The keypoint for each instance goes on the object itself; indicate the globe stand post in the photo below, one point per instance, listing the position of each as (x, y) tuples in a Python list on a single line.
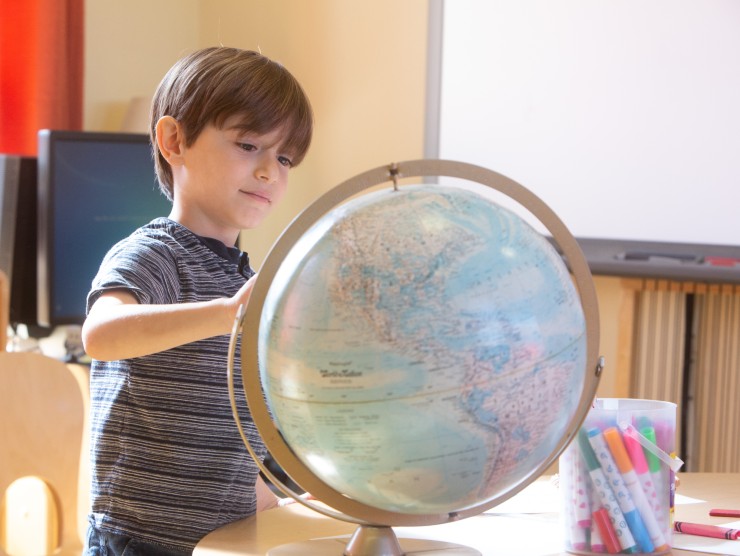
[(372, 540), (381, 540)]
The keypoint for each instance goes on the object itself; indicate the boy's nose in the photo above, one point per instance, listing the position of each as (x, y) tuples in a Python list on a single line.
[(267, 169)]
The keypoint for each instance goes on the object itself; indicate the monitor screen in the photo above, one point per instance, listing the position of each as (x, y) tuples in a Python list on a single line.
[(18, 194), (94, 190)]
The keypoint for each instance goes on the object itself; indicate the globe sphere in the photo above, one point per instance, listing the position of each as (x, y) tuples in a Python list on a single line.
[(422, 349)]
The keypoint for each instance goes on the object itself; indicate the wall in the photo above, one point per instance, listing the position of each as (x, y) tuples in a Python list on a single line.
[(129, 45), (363, 64)]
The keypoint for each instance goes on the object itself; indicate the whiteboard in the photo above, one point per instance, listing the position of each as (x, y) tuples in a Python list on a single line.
[(622, 115)]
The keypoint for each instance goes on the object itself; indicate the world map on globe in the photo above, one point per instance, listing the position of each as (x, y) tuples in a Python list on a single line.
[(422, 349)]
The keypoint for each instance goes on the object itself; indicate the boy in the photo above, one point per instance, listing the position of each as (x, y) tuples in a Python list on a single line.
[(168, 465)]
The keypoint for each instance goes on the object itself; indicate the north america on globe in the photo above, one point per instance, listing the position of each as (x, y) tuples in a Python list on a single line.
[(422, 349)]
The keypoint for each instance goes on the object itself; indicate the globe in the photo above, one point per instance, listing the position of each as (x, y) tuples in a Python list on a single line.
[(421, 352)]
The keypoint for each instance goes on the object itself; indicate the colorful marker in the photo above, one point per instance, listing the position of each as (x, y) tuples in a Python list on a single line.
[(652, 459), (606, 531), (595, 540), (661, 483), (624, 464), (606, 495), (577, 529), (598, 544), (637, 456), (578, 539), (626, 504), (580, 489), (672, 489)]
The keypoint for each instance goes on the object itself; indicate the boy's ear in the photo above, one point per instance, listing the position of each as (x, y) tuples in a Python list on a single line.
[(170, 139)]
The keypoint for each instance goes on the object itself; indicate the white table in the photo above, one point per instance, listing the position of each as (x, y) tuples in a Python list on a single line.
[(518, 532)]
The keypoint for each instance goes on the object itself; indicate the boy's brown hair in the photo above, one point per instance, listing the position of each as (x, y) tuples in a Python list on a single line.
[(213, 84)]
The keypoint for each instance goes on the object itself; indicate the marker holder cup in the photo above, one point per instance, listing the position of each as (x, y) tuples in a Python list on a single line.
[(617, 479)]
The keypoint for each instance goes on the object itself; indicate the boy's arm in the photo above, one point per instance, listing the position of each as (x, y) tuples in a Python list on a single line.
[(118, 327)]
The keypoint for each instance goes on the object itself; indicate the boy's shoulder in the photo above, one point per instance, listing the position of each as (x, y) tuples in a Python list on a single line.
[(161, 231), (159, 238), (163, 228)]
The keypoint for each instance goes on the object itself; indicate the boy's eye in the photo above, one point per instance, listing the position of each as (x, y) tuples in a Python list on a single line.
[(285, 161), (247, 146)]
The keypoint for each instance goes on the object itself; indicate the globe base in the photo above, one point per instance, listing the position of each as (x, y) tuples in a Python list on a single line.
[(370, 540)]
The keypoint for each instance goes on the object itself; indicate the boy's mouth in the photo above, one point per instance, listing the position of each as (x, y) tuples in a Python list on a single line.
[(258, 196)]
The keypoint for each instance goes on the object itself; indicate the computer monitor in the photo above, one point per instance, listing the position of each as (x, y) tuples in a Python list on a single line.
[(94, 190), (18, 198), (9, 169)]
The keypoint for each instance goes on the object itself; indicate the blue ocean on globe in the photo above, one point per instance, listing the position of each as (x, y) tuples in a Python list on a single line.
[(423, 349)]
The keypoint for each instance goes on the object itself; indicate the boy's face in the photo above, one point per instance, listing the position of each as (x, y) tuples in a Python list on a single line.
[(229, 180)]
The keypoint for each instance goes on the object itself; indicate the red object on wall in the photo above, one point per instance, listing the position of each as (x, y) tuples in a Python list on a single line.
[(41, 70)]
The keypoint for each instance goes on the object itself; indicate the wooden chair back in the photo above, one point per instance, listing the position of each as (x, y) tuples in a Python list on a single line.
[(43, 450)]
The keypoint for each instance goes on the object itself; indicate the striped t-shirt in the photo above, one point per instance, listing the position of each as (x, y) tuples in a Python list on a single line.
[(168, 464)]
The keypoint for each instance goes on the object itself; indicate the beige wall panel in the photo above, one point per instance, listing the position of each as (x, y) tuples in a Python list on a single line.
[(129, 45)]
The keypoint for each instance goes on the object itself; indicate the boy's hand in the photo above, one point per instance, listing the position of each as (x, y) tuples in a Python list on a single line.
[(241, 297)]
